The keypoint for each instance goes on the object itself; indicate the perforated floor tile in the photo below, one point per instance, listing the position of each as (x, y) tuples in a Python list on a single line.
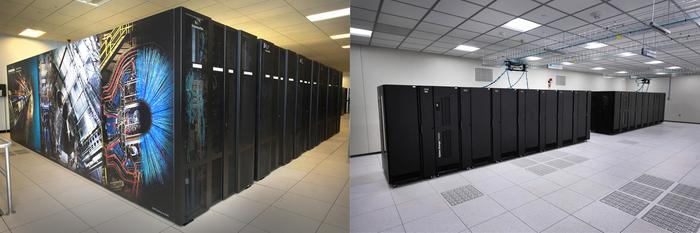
[(687, 191), (557, 154), (641, 191), (681, 204), (628, 142), (541, 157), (541, 169), (524, 162), (576, 158), (559, 163), (460, 195), (671, 220), (654, 181), (624, 202)]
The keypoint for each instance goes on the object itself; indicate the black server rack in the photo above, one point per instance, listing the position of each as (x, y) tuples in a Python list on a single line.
[(231, 73), (623, 111), (400, 127), (303, 105), (582, 110), (280, 85), (608, 112), (290, 106), (645, 109), (662, 107), (480, 104), (334, 103), (445, 110), (654, 103), (267, 140), (548, 119), (426, 129), (565, 118), (631, 110), (504, 110), (246, 110), (528, 121), (465, 127), (215, 113), (639, 110), (313, 116), (322, 103)]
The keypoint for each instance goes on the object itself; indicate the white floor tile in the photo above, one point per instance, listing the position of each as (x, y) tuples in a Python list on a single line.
[(444, 221), (568, 200), (376, 221), (411, 191), (478, 210), (62, 221), (421, 207), (212, 222), (503, 223), (539, 214), (540, 186), (278, 220), (513, 197), (240, 208), (262, 194), (101, 210), (641, 226), (604, 217), (326, 228), (338, 216), (444, 183), (371, 203), (590, 189), (492, 184), (571, 224), (32, 211), (305, 206), (132, 221)]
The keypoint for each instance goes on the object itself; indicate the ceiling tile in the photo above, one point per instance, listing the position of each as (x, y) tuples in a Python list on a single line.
[(570, 6), (420, 3), (567, 23), (425, 35), (443, 45), (434, 28), (385, 43), (493, 17), (502, 33), (362, 14), (402, 9), (367, 4), (443, 19), (356, 23), (397, 21), (481, 2), (410, 46), (525, 38), (380, 27), (462, 34), (488, 39), (50, 5), (386, 36), (599, 12), (457, 8), (543, 15), (627, 5), (417, 41), (514, 7), (451, 40), (544, 31), (475, 26)]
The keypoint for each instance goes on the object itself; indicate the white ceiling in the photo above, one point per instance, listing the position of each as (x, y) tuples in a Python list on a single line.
[(438, 26), (282, 22)]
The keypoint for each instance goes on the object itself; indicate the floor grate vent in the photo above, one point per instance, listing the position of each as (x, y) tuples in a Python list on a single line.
[(541, 169), (576, 158), (654, 181), (670, 220), (557, 154), (687, 190), (460, 195), (524, 162), (641, 191), (624, 202), (541, 158), (681, 204), (628, 142), (559, 163)]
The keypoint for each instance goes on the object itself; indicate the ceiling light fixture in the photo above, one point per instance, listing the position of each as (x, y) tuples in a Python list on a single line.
[(626, 54), (532, 58), (566, 63), (345, 46), (360, 32), (673, 67), (654, 62), (621, 72), (660, 73), (340, 36), (94, 3), (597, 68), (594, 45), (466, 48), (33, 33), (521, 25), (329, 15)]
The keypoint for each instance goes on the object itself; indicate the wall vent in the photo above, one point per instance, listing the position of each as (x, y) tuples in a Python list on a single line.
[(561, 80), (483, 75)]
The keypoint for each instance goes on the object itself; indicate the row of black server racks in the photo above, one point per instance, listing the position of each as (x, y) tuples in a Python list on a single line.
[(266, 105), (619, 111), (428, 130)]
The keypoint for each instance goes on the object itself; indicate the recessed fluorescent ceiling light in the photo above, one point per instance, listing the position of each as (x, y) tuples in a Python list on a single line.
[(360, 32), (567, 63), (521, 25), (597, 68), (621, 72), (340, 36), (626, 54), (329, 15), (673, 67), (653, 62), (661, 73), (346, 46), (594, 45), (532, 58), (32, 33), (466, 48), (93, 2)]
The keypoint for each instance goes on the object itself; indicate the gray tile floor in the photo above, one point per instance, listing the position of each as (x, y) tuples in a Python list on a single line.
[(553, 191), (308, 195)]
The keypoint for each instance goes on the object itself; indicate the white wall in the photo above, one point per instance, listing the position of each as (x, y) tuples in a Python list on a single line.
[(683, 101), (14, 49), (372, 66)]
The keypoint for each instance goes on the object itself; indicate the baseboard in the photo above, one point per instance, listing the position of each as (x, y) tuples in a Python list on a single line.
[(370, 153), (687, 122)]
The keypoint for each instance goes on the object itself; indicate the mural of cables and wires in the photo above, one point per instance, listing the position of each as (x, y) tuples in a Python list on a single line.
[(103, 107)]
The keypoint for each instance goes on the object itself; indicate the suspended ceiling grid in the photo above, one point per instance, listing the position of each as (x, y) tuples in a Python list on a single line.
[(438, 26), (282, 22)]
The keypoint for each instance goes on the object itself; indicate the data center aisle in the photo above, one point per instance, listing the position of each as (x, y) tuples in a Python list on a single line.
[(309, 194), (651, 175)]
